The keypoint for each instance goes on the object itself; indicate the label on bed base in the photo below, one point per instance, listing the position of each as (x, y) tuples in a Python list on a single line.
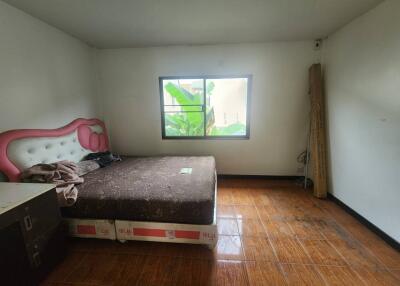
[(163, 232), (168, 233), (91, 228), (86, 229)]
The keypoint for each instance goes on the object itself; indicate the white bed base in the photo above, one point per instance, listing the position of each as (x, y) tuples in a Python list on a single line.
[(123, 230), (147, 231)]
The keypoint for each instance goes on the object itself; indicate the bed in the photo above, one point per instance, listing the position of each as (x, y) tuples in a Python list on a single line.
[(165, 198)]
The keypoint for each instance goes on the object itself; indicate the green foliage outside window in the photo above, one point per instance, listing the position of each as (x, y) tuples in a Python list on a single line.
[(190, 120)]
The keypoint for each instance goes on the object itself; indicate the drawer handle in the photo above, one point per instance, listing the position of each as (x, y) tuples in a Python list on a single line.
[(28, 223), (36, 259)]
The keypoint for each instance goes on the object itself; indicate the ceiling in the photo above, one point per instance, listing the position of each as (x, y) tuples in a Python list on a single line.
[(138, 23)]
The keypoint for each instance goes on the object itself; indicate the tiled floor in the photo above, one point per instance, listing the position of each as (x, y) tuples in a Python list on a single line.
[(271, 233)]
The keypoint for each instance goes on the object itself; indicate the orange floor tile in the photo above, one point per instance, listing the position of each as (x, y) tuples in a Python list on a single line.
[(270, 233)]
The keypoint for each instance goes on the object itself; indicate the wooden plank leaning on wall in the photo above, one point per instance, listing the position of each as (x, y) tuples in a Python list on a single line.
[(317, 136)]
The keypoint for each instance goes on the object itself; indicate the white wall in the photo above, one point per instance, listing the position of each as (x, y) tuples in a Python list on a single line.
[(362, 71), (46, 76), (279, 109)]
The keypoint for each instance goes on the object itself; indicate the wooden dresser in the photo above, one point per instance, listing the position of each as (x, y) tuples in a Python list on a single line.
[(32, 236)]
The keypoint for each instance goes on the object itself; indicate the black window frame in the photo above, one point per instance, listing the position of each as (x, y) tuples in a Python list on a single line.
[(204, 78)]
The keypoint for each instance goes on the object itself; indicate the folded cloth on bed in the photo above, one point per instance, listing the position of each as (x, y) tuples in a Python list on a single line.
[(63, 173)]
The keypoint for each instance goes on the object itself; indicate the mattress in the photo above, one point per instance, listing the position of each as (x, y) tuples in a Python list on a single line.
[(149, 189)]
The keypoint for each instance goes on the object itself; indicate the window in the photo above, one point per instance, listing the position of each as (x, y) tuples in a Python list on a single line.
[(205, 107)]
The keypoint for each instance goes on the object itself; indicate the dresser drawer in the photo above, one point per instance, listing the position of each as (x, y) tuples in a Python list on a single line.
[(32, 234), (47, 249), (39, 215), (13, 259)]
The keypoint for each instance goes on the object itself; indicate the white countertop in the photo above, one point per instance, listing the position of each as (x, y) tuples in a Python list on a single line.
[(14, 194)]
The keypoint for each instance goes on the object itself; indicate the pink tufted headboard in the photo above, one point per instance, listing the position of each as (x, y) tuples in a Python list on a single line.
[(23, 148)]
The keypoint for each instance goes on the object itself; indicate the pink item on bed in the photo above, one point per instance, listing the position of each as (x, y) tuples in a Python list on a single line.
[(64, 174)]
